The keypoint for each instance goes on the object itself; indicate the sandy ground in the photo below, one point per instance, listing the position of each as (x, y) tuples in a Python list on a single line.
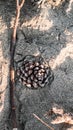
[(46, 29)]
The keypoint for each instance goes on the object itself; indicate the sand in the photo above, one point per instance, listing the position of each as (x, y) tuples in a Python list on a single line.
[(45, 29)]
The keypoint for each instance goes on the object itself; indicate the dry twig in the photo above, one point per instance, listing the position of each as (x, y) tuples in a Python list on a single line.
[(42, 122), (63, 118), (12, 72)]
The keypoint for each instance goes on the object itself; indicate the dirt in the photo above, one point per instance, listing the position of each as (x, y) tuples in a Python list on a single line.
[(45, 28)]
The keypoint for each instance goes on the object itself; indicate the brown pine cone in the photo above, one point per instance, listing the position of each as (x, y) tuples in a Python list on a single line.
[(34, 72)]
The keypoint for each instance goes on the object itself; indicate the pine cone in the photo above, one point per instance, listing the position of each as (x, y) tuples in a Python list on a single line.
[(34, 72)]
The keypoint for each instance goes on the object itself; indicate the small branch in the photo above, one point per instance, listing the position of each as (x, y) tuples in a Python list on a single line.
[(62, 117), (12, 71), (17, 2), (42, 122), (18, 8), (21, 4)]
